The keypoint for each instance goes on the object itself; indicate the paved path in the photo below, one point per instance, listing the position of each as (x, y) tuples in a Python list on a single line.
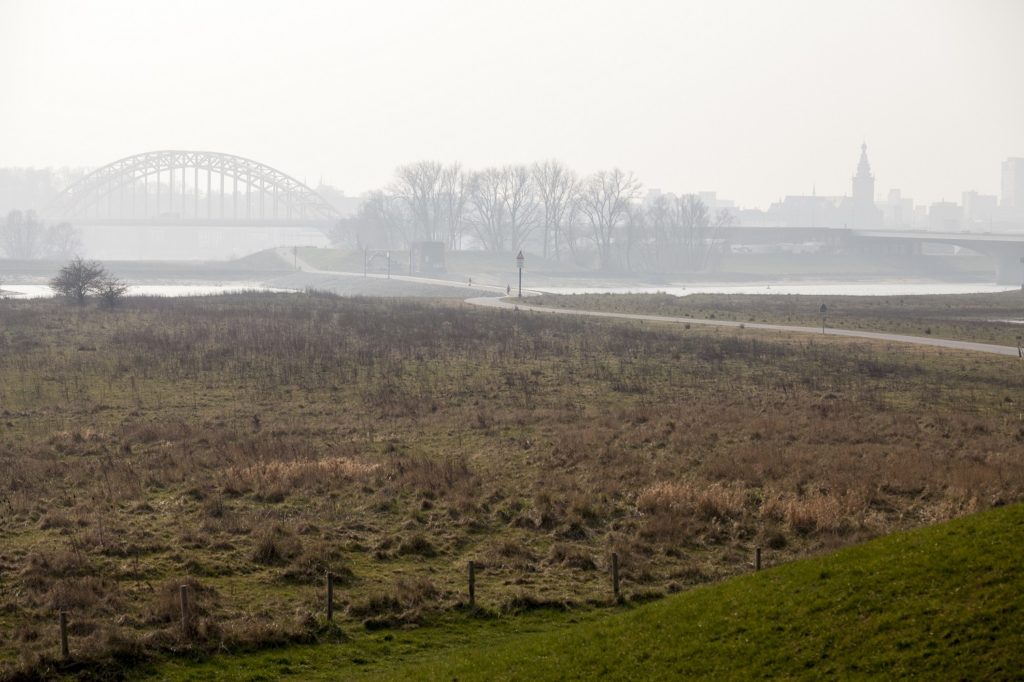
[(492, 302), (304, 266), (877, 336)]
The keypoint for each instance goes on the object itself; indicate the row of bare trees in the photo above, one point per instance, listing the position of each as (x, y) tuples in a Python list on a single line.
[(545, 207), (25, 236)]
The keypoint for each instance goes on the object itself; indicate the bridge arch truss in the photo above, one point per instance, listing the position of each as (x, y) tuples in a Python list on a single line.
[(191, 187)]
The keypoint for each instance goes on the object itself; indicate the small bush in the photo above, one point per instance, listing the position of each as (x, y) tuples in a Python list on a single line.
[(418, 545), (275, 546), (571, 556)]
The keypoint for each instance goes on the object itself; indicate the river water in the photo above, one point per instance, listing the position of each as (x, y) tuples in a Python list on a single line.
[(891, 288), (819, 289), (23, 291)]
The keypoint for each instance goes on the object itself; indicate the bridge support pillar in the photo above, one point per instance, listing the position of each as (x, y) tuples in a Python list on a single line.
[(1009, 269)]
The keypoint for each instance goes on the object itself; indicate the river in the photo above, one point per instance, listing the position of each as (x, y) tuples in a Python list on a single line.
[(889, 288), (23, 291), (820, 289)]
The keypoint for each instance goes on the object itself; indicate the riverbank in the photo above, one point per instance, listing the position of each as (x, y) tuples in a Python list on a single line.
[(469, 273)]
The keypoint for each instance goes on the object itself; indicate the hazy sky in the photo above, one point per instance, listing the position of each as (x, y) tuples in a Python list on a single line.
[(752, 99)]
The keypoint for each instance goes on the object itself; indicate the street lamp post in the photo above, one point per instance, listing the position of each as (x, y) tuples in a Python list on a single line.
[(519, 261)]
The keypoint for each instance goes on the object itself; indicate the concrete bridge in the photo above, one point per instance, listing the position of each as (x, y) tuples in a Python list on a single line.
[(1006, 249)]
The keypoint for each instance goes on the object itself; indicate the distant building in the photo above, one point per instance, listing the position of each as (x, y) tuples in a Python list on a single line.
[(810, 211), (652, 195), (857, 211), (897, 211), (716, 204), (863, 212), (1013, 186), (980, 211), (945, 216)]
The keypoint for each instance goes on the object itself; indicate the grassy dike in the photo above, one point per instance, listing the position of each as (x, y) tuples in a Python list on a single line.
[(939, 602)]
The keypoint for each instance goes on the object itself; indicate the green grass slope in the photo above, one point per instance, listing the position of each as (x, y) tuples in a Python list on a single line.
[(942, 602)]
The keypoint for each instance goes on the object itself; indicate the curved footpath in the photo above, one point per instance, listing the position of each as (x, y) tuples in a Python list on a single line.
[(877, 336), (493, 302)]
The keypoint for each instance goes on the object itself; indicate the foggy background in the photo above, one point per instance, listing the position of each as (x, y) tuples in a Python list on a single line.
[(704, 116), (755, 100)]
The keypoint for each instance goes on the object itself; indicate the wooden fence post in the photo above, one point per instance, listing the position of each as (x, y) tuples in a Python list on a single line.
[(757, 558), (183, 598), (330, 596), (472, 584), (64, 652), (615, 575)]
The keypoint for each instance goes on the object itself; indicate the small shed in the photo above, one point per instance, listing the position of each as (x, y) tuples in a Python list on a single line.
[(427, 257)]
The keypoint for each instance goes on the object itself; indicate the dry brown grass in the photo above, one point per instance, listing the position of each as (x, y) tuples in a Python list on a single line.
[(247, 445)]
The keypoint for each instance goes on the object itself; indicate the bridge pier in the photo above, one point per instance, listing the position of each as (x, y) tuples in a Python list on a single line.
[(1009, 268)]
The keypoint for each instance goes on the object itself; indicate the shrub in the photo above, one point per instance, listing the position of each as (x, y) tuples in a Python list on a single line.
[(275, 546), (418, 545)]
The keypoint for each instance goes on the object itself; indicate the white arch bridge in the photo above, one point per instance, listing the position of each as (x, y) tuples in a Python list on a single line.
[(177, 187)]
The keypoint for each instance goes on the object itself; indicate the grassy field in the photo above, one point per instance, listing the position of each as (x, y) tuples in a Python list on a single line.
[(936, 603), (246, 444), (970, 317)]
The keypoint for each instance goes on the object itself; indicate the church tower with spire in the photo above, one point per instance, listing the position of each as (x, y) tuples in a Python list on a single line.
[(865, 213)]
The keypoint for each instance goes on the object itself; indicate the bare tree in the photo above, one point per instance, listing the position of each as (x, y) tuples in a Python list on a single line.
[(556, 187), (22, 235), (684, 230), (520, 204), (380, 223), (418, 186), (636, 233), (605, 198), (504, 208), (699, 228), (486, 198), (62, 241), (111, 290), (78, 279), (453, 187)]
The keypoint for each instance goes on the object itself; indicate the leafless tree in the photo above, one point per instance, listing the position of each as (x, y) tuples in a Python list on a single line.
[(111, 290), (556, 187), (486, 199), (684, 230), (418, 186), (454, 192), (382, 222), (637, 242), (24, 236), (62, 241), (699, 228), (605, 198), (504, 208), (520, 204), (79, 279)]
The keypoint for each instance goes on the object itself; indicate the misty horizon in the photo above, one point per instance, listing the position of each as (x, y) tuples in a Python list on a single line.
[(751, 101)]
